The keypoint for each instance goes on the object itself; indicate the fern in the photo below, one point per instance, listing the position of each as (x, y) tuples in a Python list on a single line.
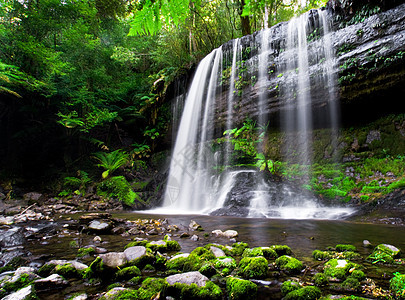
[(111, 161)]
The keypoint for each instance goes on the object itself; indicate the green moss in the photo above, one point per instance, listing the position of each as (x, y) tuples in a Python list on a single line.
[(208, 269), (269, 252), (225, 272), (289, 286), (289, 264), (121, 295), (95, 269), (351, 283), (167, 246), (238, 248), (358, 274), (253, 267), (85, 251), (320, 279), (135, 280), (350, 255), (252, 252), (321, 255), (197, 258), (143, 260), (183, 291), (136, 243), (383, 254), (16, 262), (151, 287), (239, 289), (308, 292), (46, 270), (68, 271), (176, 264), (343, 248), (225, 262), (23, 281), (149, 268), (339, 268), (281, 249), (127, 273), (397, 285)]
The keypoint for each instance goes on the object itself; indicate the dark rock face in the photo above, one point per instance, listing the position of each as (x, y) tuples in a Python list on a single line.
[(369, 65)]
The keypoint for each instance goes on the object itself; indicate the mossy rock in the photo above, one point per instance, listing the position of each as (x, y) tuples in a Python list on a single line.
[(384, 253), (343, 248), (23, 281), (339, 268), (95, 269), (225, 262), (350, 255), (320, 279), (351, 284), (289, 264), (163, 246), (253, 267), (137, 243), (397, 285), (281, 249), (240, 289), (46, 270), (68, 271), (143, 260), (238, 248), (127, 273), (321, 255), (183, 291), (305, 293), (289, 286), (176, 263), (358, 274), (197, 258), (252, 252), (120, 293), (151, 287), (85, 251), (208, 269)]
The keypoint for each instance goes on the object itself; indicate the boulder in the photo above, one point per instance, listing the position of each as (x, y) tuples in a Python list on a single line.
[(228, 233), (99, 226), (194, 226), (51, 282), (135, 252), (60, 262), (217, 252), (114, 259), (188, 278), (22, 294)]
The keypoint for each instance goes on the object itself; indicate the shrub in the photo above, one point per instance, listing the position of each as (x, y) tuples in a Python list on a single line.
[(118, 187)]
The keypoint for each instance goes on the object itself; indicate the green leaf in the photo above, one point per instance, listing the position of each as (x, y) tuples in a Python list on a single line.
[(105, 174)]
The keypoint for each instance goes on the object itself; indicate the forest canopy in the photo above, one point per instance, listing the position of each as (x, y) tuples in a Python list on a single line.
[(81, 76)]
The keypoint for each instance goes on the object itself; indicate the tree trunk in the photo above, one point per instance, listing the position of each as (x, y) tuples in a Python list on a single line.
[(244, 20)]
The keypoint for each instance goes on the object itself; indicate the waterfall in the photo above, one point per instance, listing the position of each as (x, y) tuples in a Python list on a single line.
[(200, 180)]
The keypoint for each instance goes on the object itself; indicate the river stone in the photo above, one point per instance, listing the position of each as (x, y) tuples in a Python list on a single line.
[(80, 297), (194, 238), (24, 270), (135, 252), (188, 278), (367, 244), (53, 281), (22, 294), (194, 226), (60, 262), (11, 237), (341, 263), (98, 226), (228, 233), (32, 196), (389, 249), (6, 220), (114, 259), (180, 255), (92, 216), (158, 243), (112, 294), (217, 252)]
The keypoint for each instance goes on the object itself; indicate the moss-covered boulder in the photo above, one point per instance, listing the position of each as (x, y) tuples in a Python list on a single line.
[(339, 268), (320, 279), (281, 249), (225, 262), (321, 255), (197, 258), (351, 284), (289, 286), (305, 293), (238, 248), (253, 267), (397, 285), (177, 262), (240, 289), (345, 247), (192, 285), (95, 269), (127, 273), (384, 253), (289, 264)]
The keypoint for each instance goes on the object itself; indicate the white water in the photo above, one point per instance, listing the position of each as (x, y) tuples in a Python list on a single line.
[(193, 184)]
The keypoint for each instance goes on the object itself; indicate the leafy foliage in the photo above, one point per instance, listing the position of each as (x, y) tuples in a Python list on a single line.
[(111, 161)]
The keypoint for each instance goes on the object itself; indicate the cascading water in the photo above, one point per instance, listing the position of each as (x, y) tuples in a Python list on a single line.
[(195, 185)]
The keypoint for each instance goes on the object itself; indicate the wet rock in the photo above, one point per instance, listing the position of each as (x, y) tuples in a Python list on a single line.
[(80, 297), (188, 278), (184, 235), (179, 256), (114, 259), (367, 244), (51, 282), (32, 197), (11, 237), (118, 230), (86, 219), (22, 294), (217, 252), (6, 220), (60, 262), (228, 233), (135, 252), (373, 135), (112, 294), (235, 211), (194, 226), (153, 232), (99, 226), (194, 238), (24, 270), (97, 239)]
